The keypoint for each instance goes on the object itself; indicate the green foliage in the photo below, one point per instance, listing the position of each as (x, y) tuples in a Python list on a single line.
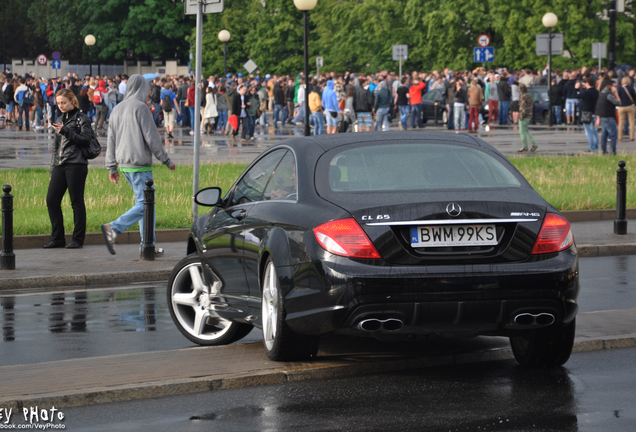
[(137, 29)]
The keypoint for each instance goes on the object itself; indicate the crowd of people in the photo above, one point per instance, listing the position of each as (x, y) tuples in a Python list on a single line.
[(342, 102)]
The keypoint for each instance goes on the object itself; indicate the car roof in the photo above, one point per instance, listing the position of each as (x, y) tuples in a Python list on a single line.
[(329, 142)]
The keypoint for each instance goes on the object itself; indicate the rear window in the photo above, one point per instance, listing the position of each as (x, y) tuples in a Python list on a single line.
[(416, 167)]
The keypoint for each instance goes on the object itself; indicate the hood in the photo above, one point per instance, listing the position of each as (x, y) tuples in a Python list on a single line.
[(330, 85), (102, 84), (137, 88)]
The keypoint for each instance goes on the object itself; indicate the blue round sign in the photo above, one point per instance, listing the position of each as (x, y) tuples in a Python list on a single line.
[(56, 55)]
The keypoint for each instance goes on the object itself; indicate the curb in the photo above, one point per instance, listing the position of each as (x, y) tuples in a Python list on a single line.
[(86, 281), (593, 251), (304, 372)]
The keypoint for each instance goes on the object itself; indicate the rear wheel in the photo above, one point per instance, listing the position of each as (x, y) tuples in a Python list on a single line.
[(189, 301), (551, 346), (281, 343)]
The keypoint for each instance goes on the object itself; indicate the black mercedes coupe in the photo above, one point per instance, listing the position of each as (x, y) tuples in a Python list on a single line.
[(389, 234)]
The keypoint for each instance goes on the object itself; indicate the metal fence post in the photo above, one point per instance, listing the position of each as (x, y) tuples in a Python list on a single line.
[(7, 258), (148, 246), (620, 224)]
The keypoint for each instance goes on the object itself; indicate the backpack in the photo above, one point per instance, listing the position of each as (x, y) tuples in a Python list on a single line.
[(156, 94), (28, 97), (166, 103), (94, 148), (98, 97)]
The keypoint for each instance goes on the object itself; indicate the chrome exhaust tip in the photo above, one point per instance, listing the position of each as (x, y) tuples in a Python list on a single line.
[(392, 325), (370, 325), (528, 319)]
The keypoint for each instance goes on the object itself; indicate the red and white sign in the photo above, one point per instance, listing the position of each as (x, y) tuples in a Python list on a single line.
[(42, 59), (484, 40)]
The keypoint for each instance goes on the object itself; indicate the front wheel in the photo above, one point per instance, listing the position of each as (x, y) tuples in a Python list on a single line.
[(191, 302), (281, 343), (550, 346)]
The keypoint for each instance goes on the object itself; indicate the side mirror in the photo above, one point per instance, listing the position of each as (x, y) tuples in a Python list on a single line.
[(208, 197)]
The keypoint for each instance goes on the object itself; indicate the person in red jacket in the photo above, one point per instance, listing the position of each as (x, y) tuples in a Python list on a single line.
[(415, 91)]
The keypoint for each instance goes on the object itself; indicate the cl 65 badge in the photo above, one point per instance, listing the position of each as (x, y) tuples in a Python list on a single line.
[(378, 217)]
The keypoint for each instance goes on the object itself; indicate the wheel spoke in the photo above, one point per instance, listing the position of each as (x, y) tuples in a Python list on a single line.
[(197, 282), (200, 317), (186, 299)]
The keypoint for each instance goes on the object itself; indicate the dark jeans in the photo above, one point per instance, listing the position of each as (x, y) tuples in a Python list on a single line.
[(244, 123), (503, 112), (24, 108), (155, 115), (416, 113), (251, 125), (73, 178)]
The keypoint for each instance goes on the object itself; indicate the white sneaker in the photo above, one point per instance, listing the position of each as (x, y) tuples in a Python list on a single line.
[(191, 132)]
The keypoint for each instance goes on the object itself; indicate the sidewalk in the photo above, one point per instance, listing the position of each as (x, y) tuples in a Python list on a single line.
[(93, 265), (197, 369)]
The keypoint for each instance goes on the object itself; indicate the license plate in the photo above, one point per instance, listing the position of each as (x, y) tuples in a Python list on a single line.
[(453, 235)]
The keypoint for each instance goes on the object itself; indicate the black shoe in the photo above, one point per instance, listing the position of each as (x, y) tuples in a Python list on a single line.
[(170, 135), (74, 245), (53, 245)]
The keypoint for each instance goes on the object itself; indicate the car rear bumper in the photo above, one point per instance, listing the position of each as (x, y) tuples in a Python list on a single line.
[(477, 299)]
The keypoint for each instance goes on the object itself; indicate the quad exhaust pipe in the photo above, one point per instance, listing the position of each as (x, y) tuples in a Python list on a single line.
[(373, 325), (528, 319)]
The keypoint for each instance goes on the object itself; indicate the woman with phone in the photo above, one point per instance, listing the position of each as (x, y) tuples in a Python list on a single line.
[(69, 168)]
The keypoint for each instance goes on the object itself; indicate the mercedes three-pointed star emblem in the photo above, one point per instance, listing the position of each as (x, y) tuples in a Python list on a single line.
[(453, 209)]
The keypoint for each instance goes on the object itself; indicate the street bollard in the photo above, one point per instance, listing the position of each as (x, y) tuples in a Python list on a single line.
[(620, 224), (7, 258), (148, 246)]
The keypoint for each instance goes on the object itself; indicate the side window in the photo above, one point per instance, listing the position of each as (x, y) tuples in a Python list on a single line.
[(431, 96), (282, 185), (251, 186)]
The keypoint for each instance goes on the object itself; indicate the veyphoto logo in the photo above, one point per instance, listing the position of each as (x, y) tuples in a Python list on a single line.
[(34, 418)]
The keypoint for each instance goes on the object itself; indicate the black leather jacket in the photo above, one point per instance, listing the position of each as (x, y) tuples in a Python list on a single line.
[(76, 133)]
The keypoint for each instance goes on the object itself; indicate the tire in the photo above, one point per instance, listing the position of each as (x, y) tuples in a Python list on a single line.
[(189, 306), (547, 347), (281, 343), (544, 117)]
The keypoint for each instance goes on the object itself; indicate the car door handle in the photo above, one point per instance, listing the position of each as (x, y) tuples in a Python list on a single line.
[(239, 214)]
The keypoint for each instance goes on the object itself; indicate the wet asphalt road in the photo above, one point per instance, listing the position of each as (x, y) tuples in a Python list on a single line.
[(79, 324), (594, 392)]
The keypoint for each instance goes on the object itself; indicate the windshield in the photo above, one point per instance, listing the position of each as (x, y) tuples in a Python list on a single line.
[(416, 167)]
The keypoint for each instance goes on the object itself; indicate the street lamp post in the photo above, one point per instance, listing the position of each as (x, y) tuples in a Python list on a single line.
[(549, 20), (90, 41), (306, 6), (612, 36), (224, 36)]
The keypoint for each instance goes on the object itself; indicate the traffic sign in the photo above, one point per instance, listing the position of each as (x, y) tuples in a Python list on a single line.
[(484, 54), (209, 6), (42, 59), (543, 41), (483, 40), (319, 61), (599, 50), (56, 55), (250, 66), (56, 64), (400, 52)]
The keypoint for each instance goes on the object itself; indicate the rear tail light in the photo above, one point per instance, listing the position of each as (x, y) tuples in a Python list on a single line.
[(345, 237), (555, 235)]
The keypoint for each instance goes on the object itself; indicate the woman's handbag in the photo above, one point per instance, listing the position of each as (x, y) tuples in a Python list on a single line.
[(586, 117)]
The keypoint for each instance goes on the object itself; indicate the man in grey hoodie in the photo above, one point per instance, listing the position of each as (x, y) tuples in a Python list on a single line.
[(132, 141)]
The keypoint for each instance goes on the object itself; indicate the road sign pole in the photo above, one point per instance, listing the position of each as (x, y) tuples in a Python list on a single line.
[(549, 76), (197, 110), (400, 69)]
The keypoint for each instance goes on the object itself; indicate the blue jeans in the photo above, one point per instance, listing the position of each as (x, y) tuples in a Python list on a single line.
[(185, 118), (592, 135), (136, 213), (450, 123), (556, 110), (503, 112), (38, 116), (416, 110), (111, 105), (155, 116), (382, 118), (301, 115), (191, 110), (251, 124), (222, 120), (319, 122), (24, 108), (262, 120), (610, 129), (278, 109), (404, 115), (459, 117)]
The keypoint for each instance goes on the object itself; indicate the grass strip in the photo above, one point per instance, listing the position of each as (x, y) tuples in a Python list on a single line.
[(568, 183)]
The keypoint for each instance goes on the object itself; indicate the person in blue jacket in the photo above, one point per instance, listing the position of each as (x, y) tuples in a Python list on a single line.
[(330, 105)]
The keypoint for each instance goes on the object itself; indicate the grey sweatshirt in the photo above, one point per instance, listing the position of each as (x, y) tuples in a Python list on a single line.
[(132, 135)]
